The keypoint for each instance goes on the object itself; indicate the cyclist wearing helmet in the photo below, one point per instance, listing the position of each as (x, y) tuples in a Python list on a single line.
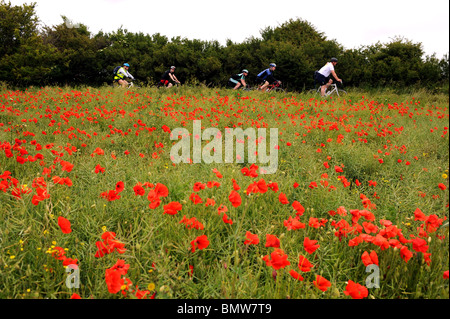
[(266, 77), (238, 80), (123, 73), (323, 75), (168, 79)]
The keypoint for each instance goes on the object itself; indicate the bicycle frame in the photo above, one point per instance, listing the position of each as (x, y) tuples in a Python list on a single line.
[(333, 88), (273, 86)]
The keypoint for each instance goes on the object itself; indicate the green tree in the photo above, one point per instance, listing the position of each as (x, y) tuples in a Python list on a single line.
[(24, 58)]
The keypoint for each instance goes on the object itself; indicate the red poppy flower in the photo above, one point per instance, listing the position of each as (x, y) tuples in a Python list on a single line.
[(66, 166), (59, 253), (161, 190), (120, 186), (138, 190), (338, 169), (293, 223), (98, 169), (278, 259), (381, 242), (252, 239), (191, 223), (64, 224), (442, 186), (369, 259), (200, 242), (252, 172), (295, 275), (218, 174), (405, 254), (235, 198), (172, 208), (113, 280), (199, 186), (355, 290), (420, 245), (222, 209), (321, 283), (226, 220), (272, 241), (304, 264), (121, 267), (195, 199), (236, 187), (273, 186), (283, 199), (310, 245), (210, 202), (419, 215), (433, 222), (298, 207), (70, 261), (313, 185)]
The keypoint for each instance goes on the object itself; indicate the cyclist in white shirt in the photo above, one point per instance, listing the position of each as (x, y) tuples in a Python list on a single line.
[(323, 75)]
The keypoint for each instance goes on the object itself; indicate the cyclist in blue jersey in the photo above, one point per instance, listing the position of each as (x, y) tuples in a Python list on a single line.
[(265, 78), (238, 80)]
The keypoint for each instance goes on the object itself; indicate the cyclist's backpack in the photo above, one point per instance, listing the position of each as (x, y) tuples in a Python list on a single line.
[(116, 69)]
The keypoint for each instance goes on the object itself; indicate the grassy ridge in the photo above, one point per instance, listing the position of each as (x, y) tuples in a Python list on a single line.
[(408, 132)]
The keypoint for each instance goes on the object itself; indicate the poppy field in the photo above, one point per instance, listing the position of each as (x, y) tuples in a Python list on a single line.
[(88, 187)]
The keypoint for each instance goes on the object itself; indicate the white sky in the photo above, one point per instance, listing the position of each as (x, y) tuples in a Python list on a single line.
[(351, 23)]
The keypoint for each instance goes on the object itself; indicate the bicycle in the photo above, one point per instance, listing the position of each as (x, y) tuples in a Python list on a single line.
[(130, 85), (160, 85), (275, 86), (332, 89)]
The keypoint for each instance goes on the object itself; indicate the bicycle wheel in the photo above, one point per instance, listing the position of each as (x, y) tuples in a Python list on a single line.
[(313, 92), (278, 89)]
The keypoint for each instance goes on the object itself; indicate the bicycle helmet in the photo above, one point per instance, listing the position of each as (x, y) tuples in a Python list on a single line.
[(126, 64), (244, 71), (333, 60), (272, 64), (172, 67)]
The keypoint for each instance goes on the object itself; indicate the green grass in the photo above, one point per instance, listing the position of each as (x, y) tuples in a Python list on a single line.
[(352, 132)]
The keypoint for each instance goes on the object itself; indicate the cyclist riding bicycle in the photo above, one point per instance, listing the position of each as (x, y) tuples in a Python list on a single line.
[(323, 76), (168, 79), (266, 77), (122, 74), (238, 80)]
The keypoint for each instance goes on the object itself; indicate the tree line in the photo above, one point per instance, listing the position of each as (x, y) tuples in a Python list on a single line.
[(69, 54)]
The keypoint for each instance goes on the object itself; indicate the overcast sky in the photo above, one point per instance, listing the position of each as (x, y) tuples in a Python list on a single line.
[(351, 23)]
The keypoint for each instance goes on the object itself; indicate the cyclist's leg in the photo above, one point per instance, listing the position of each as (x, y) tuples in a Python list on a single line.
[(325, 87), (264, 86), (122, 83)]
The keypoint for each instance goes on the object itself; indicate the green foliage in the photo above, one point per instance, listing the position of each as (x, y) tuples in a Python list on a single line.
[(69, 54)]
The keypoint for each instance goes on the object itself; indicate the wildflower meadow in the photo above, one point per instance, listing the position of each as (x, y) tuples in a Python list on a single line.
[(93, 204)]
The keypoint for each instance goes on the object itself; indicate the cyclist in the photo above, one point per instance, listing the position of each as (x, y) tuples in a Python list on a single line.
[(323, 75), (264, 78), (238, 80), (168, 79), (123, 73)]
